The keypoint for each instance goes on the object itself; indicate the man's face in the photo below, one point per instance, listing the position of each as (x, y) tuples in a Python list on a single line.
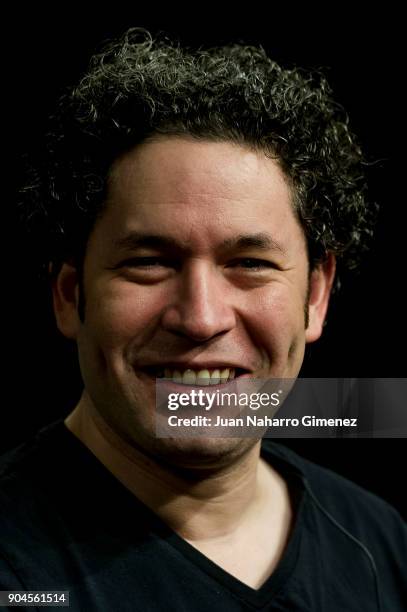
[(198, 262)]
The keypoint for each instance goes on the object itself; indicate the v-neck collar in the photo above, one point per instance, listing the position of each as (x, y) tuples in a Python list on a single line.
[(288, 562), (257, 598)]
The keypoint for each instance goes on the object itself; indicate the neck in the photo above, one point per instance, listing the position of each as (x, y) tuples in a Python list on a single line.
[(215, 504)]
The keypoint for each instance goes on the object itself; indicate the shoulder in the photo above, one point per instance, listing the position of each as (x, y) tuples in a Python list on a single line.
[(333, 490), (22, 460), (353, 530), (30, 472), (14, 465), (361, 513), (19, 485)]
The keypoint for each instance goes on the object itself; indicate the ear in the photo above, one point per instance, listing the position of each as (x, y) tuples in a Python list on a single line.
[(65, 295), (322, 278)]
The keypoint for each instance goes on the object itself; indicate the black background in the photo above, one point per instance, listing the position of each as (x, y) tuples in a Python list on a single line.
[(365, 334)]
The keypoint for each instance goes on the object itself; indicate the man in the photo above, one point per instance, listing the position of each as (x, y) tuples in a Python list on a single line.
[(193, 207)]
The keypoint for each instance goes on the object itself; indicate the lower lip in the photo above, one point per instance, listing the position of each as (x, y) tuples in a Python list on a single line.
[(174, 387)]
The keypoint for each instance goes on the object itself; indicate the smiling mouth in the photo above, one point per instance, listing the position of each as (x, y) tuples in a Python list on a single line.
[(201, 377)]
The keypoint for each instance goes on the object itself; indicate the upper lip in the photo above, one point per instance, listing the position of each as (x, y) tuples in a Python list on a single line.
[(188, 365)]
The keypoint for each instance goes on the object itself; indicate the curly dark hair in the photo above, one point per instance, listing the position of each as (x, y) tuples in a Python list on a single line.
[(138, 87)]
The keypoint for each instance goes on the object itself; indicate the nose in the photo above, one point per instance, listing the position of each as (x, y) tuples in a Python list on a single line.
[(199, 310)]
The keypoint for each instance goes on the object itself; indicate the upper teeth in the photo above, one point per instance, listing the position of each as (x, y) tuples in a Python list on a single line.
[(200, 377)]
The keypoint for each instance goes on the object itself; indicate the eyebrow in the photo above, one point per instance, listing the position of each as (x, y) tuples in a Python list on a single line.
[(137, 240), (262, 241)]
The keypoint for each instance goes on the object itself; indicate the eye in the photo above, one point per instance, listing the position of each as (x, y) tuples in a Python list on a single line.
[(146, 262), (249, 263)]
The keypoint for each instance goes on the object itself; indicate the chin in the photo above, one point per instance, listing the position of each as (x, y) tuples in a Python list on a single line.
[(199, 453)]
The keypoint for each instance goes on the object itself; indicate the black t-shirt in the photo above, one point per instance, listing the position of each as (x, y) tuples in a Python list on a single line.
[(67, 524)]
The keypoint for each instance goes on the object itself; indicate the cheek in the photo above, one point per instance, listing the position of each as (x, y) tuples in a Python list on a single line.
[(277, 322), (122, 312), (278, 308)]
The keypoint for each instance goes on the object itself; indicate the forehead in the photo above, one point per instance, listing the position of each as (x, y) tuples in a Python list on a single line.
[(175, 166), (199, 189)]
